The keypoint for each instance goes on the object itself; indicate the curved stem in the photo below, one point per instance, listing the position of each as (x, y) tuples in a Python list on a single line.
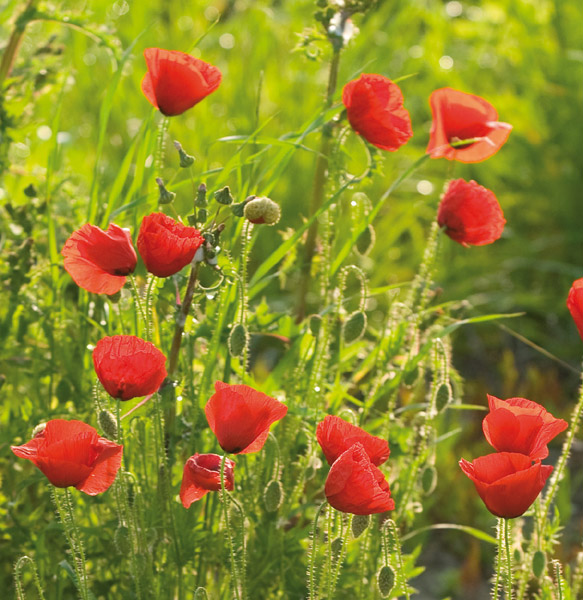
[(313, 594)]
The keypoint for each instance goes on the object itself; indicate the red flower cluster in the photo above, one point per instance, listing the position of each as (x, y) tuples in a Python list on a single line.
[(71, 453), (575, 304), (165, 245), (128, 366), (176, 81), (354, 484), (374, 108), (465, 127), (510, 480), (470, 214)]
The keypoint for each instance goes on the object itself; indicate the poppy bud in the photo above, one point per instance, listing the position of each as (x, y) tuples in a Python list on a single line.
[(354, 327), (539, 563), (262, 211), (238, 339), (359, 524), (166, 197), (224, 196), (121, 540), (200, 200), (443, 396), (185, 159), (201, 215), (108, 424), (200, 594), (314, 324), (386, 580), (273, 495), (366, 241), (410, 376)]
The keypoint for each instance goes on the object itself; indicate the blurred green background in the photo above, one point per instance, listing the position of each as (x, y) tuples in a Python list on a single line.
[(523, 56)]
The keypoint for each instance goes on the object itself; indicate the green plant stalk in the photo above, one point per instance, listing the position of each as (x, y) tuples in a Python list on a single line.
[(559, 579), (499, 558), (67, 517), (340, 559), (391, 527), (149, 325), (506, 525), (318, 189), (246, 245), (312, 589), (137, 299), (17, 579)]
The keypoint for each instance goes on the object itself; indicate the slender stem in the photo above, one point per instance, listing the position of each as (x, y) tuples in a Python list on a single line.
[(138, 405), (161, 144), (313, 593), (506, 524), (319, 186), (245, 239), (181, 319), (500, 538), (559, 469), (17, 578), (229, 529), (149, 307), (137, 298)]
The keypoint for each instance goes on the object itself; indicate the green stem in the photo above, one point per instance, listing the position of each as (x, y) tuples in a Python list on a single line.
[(17, 579), (245, 240), (149, 307), (312, 590), (137, 298), (318, 189), (161, 144), (506, 524), (499, 557), (225, 510)]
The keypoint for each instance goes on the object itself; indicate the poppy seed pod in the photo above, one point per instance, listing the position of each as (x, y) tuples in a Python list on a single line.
[(459, 117), (97, 260), (374, 108), (71, 453), (262, 211)]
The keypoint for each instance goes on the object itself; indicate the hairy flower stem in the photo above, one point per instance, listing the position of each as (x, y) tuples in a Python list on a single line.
[(66, 515), (238, 579), (560, 468), (149, 308), (499, 558), (246, 245), (506, 525), (312, 588), (15, 40), (391, 527), (138, 300), (18, 581), (318, 189)]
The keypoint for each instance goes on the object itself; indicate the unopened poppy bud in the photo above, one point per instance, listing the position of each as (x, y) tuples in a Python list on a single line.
[(429, 479), (366, 241), (185, 159), (410, 376), (273, 495), (224, 196), (115, 298), (359, 524), (121, 540), (166, 196), (262, 211), (443, 396), (386, 580), (200, 594), (38, 430), (108, 424), (201, 215), (354, 327), (192, 220), (539, 563), (200, 200), (315, 323), (238, 339)]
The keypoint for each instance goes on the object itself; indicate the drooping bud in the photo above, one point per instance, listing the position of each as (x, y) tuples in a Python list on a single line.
[(108, 424), (262, 211), (411, 375), (354, 327), (200, 200), (166, 196), (185, 159), (429, 479), (200, 594), (121, 540), (273, 495), (386, 580), (201, 215), (366, 241), (539, 563), (224, 196), (359, 524), (238, 339), (315, 323), (443, 396)]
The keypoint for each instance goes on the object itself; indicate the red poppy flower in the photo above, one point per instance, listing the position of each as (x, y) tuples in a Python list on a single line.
[(519, 425), (97, 260), (470, 214), (128, 366), (165, 245), (354, 485), (240, 417), (335, 436), (202, 474), (176, 81), (507, 482), (575, 304), (458, 116), (72, 453), (374, 107)]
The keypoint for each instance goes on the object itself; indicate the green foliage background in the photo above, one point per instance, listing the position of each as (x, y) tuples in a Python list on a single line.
[(525, 57)]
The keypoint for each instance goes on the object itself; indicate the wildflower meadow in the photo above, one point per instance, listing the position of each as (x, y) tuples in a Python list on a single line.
[(292, 300)]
